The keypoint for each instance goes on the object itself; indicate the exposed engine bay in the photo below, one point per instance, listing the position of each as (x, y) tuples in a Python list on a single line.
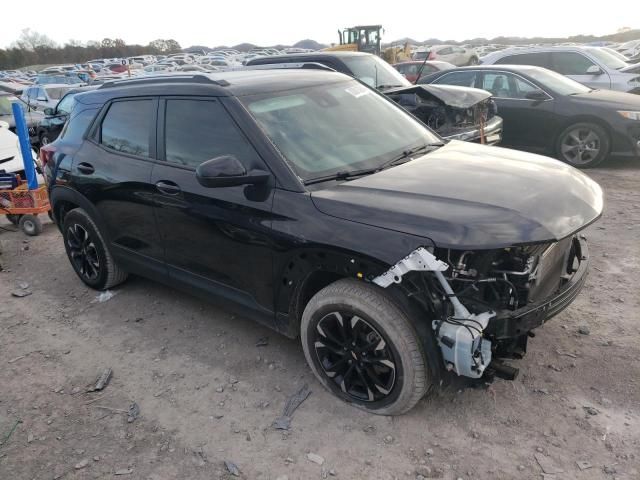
[(460, 113), (486, 302)]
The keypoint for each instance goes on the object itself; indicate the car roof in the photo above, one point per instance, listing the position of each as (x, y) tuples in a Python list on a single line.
[(217, 83), (541, 48), (337, 54), (514, 68)]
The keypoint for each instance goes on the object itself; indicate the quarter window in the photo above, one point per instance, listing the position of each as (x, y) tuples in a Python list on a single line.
[(199, 130), (126, 127)]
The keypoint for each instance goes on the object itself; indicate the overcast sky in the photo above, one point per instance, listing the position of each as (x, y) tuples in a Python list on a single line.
[(212, 23)]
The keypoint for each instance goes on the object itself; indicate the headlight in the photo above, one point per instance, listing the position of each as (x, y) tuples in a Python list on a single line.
[(629, 115)]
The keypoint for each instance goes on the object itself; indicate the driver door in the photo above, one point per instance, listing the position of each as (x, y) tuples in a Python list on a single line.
[(216, 240)]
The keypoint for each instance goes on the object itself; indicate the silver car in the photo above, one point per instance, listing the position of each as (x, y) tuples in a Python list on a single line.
[(591, 66)]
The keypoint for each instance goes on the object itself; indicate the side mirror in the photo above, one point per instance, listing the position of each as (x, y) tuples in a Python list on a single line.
[(594, 70), (227, 171), (538, 95), (49, 111)]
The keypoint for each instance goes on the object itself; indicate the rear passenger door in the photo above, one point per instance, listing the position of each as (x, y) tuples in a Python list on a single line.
[(113, 171), (217, 240)]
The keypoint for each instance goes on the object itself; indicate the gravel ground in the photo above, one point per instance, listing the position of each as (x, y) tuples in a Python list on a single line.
[(207, 393)]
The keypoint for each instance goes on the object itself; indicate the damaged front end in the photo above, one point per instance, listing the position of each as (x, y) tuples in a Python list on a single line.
[(455, 113), (485, 303)]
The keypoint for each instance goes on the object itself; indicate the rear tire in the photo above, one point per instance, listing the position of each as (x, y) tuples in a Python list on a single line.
[(583, 145), (30, 225), (363, 348), (88, 252)]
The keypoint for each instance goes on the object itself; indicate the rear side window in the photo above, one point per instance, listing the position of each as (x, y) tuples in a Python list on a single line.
[(539, 59), (126, 127), (199, 130)]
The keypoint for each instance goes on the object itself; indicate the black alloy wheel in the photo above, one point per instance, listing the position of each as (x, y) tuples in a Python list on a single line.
[(355, 356), (82, 252)]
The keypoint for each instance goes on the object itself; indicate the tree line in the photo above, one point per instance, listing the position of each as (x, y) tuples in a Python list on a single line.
[(33, 48)]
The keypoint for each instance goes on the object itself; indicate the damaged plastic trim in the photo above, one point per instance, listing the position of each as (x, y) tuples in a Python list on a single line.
[(460, 337)]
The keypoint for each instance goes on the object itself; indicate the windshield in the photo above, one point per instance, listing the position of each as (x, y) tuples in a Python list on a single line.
[(557, 82), (5, 106), (374, 71), (56, 93), (607, 59), (337, 127)]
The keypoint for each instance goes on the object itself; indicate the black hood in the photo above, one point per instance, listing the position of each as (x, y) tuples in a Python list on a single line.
[(610, 99), (469, 196)]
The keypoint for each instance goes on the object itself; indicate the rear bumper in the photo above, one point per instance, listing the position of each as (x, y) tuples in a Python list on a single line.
[(492, 133), (516, 323)]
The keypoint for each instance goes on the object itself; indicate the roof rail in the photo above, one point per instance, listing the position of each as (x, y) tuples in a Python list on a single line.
[(292, 65), (197, 78)]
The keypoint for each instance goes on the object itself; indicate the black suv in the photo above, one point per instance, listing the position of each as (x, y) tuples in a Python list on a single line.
[(393, 255)]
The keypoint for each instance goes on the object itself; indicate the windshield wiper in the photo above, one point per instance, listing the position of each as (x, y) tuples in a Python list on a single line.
[(405, 155), (342, 175), (388, 86)]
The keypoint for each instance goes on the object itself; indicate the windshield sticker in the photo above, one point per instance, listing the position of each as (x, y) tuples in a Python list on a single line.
[(357, 91)]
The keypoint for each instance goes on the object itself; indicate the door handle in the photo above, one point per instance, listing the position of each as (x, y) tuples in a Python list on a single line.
[(168, 188), (86, 168)]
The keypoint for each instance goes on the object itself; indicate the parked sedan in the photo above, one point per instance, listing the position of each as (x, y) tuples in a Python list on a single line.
[(32, 118), (415, 70), (453, 54), (592, 66), (549, 113)]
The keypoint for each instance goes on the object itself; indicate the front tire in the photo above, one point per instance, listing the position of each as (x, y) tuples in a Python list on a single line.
[(363, 348), (583, 145), (88, 252)]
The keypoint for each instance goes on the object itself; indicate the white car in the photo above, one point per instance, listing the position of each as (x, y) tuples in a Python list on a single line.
[(10, 156), (39, 97), (454, 54)]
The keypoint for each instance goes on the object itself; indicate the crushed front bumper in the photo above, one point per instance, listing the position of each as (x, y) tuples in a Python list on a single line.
[(492, 133), (516, 323)]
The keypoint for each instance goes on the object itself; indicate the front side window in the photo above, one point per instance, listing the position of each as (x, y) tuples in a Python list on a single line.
[(461, 79), (199, 130), (335, 127), (506, 85), (127, 125), (571, 63)]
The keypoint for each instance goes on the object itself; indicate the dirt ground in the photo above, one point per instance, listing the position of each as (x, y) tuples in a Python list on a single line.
[(207, 393)]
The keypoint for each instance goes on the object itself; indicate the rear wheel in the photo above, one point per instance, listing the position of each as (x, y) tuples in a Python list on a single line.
[(30, 225), (583, 145), (88, 252), (363, 348)]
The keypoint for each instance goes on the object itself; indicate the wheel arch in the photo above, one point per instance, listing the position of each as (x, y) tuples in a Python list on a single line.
[(307, 271), (582, 118), (64, 199)]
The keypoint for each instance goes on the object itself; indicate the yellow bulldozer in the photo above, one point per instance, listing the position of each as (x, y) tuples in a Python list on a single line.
[(366, 38)]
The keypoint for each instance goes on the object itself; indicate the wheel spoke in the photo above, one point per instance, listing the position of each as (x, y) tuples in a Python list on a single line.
[(333, 349), (377, 383), (591, 137), (365, 384)]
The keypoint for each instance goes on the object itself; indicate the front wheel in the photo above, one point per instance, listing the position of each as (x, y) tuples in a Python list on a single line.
[(88, 253), (363, 348), (583, 145)]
